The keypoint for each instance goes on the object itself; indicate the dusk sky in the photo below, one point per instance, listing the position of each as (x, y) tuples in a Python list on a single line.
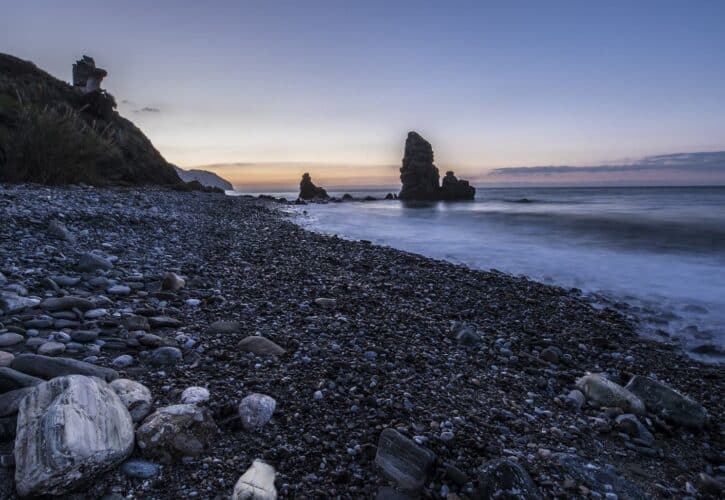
[(264, 91)]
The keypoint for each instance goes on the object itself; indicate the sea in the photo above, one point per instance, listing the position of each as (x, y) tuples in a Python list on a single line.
[(656, 254)]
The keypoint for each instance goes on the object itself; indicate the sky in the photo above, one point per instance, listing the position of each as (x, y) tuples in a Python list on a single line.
[(262, 91)]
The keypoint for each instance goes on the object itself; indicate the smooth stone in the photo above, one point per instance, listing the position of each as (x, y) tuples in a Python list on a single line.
[(173, 432), (630, 425), (66, 280), (150, 340), (257, 483), (163, 321), (468, 335), (11, 303), (140, 469), (121, 290), (256, 410), (668, 403), (403, 461), (135, 323), (89, 262), (70, 430), (123, 361), (135, 396), (165, 356), (260, 346), (598, 478), (223, 326), (66, 303), (35, 342), (95, 313), (84, 335), (504, 478), (11, 379), (173, 282), (40, 323), (10, 401), (609, 394), (551, 354), (195, 395), (6, 358), (48, 367), (10, 339), (58, 230), (326, 302), (65, 323), (51, 348), (192, 302)]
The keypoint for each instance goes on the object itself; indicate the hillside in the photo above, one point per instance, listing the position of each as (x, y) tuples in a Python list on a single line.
[(205, 178), (53, 133)]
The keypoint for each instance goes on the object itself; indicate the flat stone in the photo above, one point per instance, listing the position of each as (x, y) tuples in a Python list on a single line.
[(140, 469), (95, 313), (6, 358), (260, 346), (506, 479), (40, 323), (66, 280), (121, 290), (165, 356), (630, 425), (164, 321), (256, 410), (84, 335), (69, 430), (195, 395), (11, 303), (48, 367), (11, 379), (10, 339), (326, 302), (66, 303), (9, 401), (90, 262), (150, 340), (135, 396), (223, 326), (257, 483), (51, 348), (403, 461), (609, 394), (668, 403), (136, 323), (173, 432)]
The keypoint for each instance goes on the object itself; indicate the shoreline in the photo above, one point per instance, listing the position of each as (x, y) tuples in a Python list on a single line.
[(384, 354)]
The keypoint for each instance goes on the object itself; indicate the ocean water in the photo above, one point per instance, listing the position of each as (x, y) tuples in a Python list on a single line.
[(656, 254)]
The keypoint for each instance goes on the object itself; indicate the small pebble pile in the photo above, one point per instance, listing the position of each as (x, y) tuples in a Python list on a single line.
[(207, 347)]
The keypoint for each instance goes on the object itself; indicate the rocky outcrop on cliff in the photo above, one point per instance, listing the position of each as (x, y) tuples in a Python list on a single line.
[(52, 132), (205, 178), (420, 176), (308, 190)]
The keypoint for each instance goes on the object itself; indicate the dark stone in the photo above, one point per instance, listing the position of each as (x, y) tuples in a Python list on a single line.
[(48, 367), (308, 191), (391, 196), (668, 403), (347, 197), (506, 480), (10, 401), (455, 189), (66, 303), (165, 356), (11, 380), (420, 176), (402, 461)]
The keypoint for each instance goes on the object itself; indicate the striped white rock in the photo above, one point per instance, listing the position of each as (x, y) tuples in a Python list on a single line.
[(70, 429), (609, 394), (256, 484)]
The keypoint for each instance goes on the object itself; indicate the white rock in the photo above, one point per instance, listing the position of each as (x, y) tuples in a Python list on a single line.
[(194, 395), (135, 396), (610, 394), (257, 483), (256, 410), (70, 429)]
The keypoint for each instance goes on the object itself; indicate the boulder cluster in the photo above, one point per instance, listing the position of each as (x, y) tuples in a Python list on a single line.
[(420, 176)]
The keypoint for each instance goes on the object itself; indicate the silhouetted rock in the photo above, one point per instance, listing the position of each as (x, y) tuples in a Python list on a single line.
[(454, 189), (390, 196), (420, 176), (346, 197), (308, 191)]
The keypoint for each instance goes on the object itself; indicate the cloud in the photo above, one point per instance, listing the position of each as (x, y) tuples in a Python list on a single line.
[(683, 162), (147, 109)]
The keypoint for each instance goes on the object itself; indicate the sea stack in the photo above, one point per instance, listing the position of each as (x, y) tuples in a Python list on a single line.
[(308, 190), (420, 176)]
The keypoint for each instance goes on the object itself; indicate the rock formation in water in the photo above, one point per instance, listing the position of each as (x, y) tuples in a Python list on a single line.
[(420, 176), (454, 189), (308, 190)]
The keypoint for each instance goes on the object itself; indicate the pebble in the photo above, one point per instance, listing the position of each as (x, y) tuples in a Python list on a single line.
[(123, 361), (195, 395), (10, 339), (51, 348)]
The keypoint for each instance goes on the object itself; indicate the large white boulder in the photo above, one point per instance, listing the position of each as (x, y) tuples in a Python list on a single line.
[(257, 483), (69, 430)]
